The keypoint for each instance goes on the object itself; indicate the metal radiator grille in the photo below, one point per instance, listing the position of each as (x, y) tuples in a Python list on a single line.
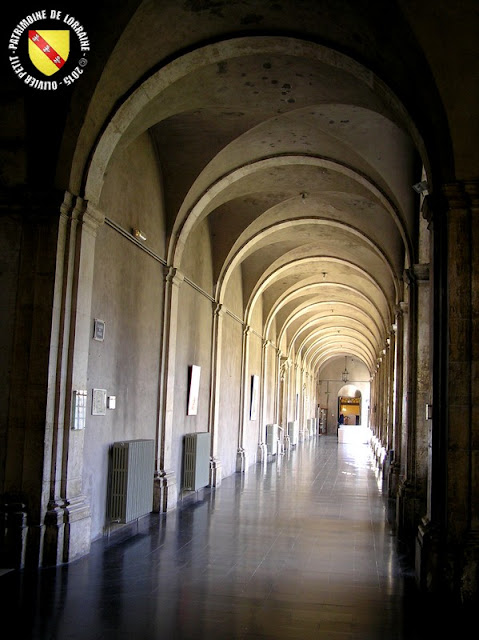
[(131, 479), (196, 461)]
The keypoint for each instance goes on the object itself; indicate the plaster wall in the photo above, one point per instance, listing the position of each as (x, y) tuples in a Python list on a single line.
[(132, 193), (233, 299), (130, 301), (251, 427), (197, 264), (127, 362), (193, 346), (270, 385), (229, 399)]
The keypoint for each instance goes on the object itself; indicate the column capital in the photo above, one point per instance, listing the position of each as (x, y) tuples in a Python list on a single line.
[(472, 189), (452, 196), (421, 271), (91, 217), (246, 330), (67, 205), (416, 273), (174, 276), (218, 309), (399, 309), (455, 195)]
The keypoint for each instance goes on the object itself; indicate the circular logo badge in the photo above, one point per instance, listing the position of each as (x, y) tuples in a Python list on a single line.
[(48, 50)]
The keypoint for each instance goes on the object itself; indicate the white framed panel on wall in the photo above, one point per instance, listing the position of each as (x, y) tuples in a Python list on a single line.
[(193, 390)]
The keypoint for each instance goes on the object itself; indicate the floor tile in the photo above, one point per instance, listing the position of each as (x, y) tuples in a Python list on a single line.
[(297, 548)]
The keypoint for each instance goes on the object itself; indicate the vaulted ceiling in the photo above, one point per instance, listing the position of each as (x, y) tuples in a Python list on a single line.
[(298, 158), (304, 176)]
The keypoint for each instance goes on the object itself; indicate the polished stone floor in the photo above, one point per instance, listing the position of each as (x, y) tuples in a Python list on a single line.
[(299, 548)]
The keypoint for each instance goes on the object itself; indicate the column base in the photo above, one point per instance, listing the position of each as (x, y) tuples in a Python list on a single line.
[(54, 538), (77, 534), (405, 510), (14, 532), (240, 461), (215, 472), (262, 453), (394, 475), (469, 584), (165, 492), (427, 557)]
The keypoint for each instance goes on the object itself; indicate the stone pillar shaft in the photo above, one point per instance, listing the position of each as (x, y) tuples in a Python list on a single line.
[(68, 518), (241, 456), (166, 493), (215, 386)]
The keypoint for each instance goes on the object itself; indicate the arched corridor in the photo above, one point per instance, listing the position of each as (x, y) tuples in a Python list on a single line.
[(244, 223), (299, 548)]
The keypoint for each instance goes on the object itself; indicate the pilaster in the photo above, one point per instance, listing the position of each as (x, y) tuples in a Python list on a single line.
[(165, 490), (447, 543), (262, 447), (240, 460), (216, 355), (68, 518), (241, 454)]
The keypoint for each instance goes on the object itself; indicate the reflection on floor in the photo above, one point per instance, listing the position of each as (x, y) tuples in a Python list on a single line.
[(297, 548)]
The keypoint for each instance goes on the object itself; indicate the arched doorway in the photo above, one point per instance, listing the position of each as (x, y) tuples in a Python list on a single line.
[(349, 405), (353, 415)]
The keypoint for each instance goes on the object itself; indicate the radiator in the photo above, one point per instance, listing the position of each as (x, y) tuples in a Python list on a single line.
[(196, 461), (272, 435), (131, 479), (293, 432)]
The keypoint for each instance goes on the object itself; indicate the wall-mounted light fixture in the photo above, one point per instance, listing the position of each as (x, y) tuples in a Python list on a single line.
[(139, 235)]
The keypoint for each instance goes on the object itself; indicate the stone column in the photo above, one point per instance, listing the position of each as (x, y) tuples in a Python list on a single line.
[(165, 494), (413, 488), (68, 518), (423, 388), (459, 418), (31, 255), (262, 455), (398, 393), (277, 395), (381, 400), (59, 348), (241, 454), (215, 386), (390, 351), (470, 568), (406, 493), (447, 550), (463, 395)]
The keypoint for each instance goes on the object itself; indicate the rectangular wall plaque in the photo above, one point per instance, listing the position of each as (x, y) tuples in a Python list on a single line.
[(98, 405), (253, 411), (194, 390), (99, 330)]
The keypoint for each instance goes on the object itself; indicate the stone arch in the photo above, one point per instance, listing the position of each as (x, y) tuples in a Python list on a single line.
[(133, 116)]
